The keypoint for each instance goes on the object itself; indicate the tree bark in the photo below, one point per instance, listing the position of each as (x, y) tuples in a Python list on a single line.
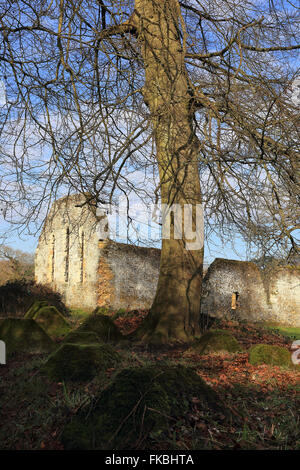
[(174, 314)]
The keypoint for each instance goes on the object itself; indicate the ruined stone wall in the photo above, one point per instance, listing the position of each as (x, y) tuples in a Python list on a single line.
[(283, 290), (128, 275), (88, 272), (67, 256), (225, 277), (271, 296)]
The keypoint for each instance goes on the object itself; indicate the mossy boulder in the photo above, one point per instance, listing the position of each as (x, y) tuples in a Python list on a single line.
[(101, 311), (121, 312), (215, 341), (139, 404), (82, 337), (103, 326), (50, 319), (80, 362), (24, 335), (35, 307), (272, 355), (17, 296)]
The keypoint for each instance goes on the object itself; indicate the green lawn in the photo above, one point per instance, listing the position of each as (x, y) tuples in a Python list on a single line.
[(291, 332)]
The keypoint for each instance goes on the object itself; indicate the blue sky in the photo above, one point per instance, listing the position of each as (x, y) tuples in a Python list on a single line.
[(29, 243), (214, 250)]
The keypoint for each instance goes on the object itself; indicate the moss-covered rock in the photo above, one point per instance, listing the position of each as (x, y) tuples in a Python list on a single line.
[(121, 312), (24, 335), (35, 307), (139, 401), (101, 311), (17, 296), (215, 341), (272, 355), (103, 326), (80, 362), (82, 337), (50, 319)]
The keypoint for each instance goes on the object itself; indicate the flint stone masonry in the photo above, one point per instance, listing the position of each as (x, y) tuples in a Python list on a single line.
[(283, 291), (271, 295), (129, 275), (90, 272)]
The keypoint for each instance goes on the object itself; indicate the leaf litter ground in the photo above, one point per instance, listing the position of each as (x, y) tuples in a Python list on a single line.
[(264, 401)]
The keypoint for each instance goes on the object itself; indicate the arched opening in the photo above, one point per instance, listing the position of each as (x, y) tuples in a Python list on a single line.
[(53, 258), (234, 300), (82, 259), (67, 255)]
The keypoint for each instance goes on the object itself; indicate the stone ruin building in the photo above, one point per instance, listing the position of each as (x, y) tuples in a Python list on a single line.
[(242, 290), (91, 272)]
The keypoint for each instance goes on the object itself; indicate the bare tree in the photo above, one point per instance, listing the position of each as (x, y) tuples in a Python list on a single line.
[(194, 92), (15, 265)]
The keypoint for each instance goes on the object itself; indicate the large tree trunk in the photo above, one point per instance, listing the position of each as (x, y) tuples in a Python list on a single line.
[(174, 314)]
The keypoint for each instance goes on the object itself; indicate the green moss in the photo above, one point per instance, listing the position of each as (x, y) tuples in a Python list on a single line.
[(119, 313), (51, 320), (139, 402), (101, 311), (103, 326), (21, 334), (35, 307), (79, 362), (216, 341), (273, 355), (79, 313), (82, 337), (291, 332)]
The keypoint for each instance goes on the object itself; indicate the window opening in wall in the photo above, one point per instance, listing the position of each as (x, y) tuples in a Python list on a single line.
[(53, 258), (234, 300), (82, 258), (67, 254)]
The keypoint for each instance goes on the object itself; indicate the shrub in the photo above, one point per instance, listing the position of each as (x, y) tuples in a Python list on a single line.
[(17, 297)]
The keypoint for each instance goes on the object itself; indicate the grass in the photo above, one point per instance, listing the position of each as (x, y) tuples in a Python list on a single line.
[(290, 332), (79, 314), (264, 401)]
